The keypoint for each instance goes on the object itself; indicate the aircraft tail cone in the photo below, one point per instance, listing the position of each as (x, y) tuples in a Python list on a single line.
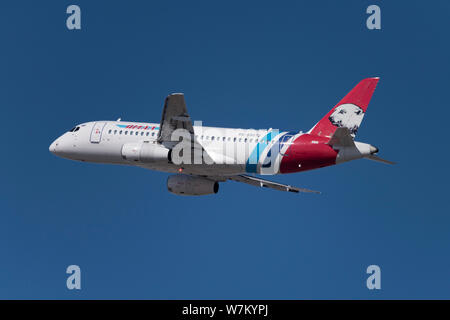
[(373, 150)]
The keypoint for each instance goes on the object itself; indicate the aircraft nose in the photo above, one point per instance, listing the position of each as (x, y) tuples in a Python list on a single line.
[(53, 146), (63, 147)]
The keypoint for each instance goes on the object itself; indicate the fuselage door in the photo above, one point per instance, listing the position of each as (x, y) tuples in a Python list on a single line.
[(96, 134)]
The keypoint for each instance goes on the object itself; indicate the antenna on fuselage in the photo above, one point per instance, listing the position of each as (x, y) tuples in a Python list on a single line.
[(118, 120)]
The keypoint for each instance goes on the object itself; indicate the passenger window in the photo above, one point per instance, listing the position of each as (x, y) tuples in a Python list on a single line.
[(109, 132), (245, 140), (120, 132), (153, 134), (240, 139), (234, 139), (126, 132), (229, 139), (115, 131), (223, 139), (147, 134), (137, 133), (202, 137), (212, 138)]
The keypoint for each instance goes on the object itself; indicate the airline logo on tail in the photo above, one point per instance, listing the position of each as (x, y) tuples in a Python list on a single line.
[(349, 112), (347, 115)]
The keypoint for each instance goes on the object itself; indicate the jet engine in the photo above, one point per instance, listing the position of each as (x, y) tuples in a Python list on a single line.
[(191, 185), (146, 152)]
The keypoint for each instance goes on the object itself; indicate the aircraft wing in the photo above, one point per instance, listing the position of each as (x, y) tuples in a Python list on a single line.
[(254, 181), (174, 116)]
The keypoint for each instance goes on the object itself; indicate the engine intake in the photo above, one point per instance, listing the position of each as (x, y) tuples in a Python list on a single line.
[(191, 185)]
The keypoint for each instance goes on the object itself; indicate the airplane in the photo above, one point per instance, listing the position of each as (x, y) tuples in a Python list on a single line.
[(200, 157)]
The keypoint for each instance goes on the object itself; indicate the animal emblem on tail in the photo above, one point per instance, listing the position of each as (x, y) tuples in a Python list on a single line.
[(347, 116)]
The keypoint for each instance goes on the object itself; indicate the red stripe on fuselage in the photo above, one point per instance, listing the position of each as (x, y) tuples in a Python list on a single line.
[(306, 153)]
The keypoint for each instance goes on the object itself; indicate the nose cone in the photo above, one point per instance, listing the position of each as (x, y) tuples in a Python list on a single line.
[(53, 146), (64, 147)]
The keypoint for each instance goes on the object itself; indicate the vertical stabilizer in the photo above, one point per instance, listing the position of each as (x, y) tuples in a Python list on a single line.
[(349, 112)]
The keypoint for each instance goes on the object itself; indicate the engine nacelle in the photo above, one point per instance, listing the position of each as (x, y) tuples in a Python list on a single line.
[(191, 185), (145, 152)]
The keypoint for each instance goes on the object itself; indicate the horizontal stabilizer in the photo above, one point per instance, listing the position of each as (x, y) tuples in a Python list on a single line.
[(342, 137), (378, 159)]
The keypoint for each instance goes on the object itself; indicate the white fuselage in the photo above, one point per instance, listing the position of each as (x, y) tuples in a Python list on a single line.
[(230, 149)]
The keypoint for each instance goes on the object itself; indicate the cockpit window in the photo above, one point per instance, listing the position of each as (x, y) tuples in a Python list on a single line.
[(74, 129)]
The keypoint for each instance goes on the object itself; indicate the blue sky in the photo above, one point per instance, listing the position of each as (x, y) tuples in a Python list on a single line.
[(249, 64)]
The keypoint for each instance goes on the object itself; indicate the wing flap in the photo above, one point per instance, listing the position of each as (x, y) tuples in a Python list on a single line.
[(258, 182)]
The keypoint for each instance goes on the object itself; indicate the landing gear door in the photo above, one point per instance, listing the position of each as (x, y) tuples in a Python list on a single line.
[(96, 134)]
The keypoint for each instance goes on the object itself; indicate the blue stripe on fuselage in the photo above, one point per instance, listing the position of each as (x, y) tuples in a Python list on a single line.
[(252, 161)]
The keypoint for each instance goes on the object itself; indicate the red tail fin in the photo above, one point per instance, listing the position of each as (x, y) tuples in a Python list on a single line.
[(349, 112)]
